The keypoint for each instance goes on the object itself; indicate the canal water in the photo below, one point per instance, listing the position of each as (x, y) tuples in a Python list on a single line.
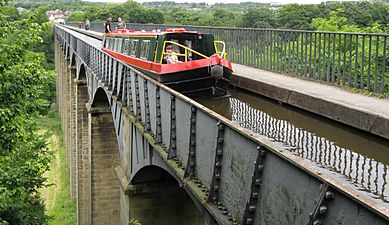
[(360, 157)]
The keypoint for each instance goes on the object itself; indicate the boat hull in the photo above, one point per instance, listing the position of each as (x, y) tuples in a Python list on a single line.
[(195, 83), (198, 78)]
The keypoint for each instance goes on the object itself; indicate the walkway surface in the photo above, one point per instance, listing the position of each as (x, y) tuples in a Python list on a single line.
[(364, 112)]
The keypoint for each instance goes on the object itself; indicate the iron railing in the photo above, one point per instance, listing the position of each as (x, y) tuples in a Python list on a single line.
[(353, 60)]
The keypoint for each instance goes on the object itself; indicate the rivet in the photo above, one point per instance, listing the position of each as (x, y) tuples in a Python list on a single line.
[(260, 167), (198, 185), (225, 212), (193, 143), (220, 140), (249, 221), (219, 207), (218, 164), (263, 152), (219, 152), (316, 222), (214, 198), (217, 176), (219, 203), (251, 208), (192, 153), (323, 209), (229, 216), (258, 182), (193, 131), (254, 195), (192, 164), (216, 188), (173, 117), (193, 109), (330, 195)]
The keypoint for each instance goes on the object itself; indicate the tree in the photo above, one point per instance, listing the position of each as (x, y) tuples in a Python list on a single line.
[(260, 18), (24, 156), (298, 17)]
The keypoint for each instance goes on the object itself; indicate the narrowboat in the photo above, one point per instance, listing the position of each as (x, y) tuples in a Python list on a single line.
[(190, 62)]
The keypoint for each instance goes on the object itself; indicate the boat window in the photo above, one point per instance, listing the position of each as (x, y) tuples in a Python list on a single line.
[(134, 46), (126, 46), (118, 44), (111, 43), (144, 50), (108, 43)]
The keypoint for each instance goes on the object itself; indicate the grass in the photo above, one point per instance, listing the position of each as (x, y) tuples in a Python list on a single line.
[(59, 205)]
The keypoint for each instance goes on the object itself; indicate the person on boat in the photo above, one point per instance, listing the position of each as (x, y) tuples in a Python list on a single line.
[(121, 24), (170, 56), (107, 25), (87, 24)]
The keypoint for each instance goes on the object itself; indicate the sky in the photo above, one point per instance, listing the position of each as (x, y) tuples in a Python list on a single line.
[(224, 1)]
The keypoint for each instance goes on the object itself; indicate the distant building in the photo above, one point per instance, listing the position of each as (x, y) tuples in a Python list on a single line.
[(57, 16)]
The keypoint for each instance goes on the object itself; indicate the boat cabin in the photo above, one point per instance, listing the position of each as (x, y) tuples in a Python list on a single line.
[(187, 61), (151, 46)]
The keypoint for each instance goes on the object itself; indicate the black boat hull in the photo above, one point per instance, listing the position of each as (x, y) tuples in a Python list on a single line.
[(196, 82)]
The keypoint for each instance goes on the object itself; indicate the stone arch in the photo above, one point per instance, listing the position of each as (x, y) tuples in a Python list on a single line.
[(104, 158), (82, 73), (73, 60), (100, 99), (154, 191), (67, 51)]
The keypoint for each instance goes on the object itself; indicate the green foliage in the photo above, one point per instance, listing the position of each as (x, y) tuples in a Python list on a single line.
[(60, 207), (294, 16), (260, 18), (78, 16), (23, 91)]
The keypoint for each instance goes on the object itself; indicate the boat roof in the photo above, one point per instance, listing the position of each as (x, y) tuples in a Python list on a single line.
[(131, 33)]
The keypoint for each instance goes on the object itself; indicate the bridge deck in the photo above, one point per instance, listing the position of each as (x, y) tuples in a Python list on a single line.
[(188, 140), (361, 111)]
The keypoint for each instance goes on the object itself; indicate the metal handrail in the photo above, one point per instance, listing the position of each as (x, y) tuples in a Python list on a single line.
[(353, 60), (182, 46), (223, 53)]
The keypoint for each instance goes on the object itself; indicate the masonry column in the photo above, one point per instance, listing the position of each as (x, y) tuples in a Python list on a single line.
[(73, 131), (82, 170), (104, 157)]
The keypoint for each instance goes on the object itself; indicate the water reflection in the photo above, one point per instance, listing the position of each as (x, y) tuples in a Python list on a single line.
[(359, 156)]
